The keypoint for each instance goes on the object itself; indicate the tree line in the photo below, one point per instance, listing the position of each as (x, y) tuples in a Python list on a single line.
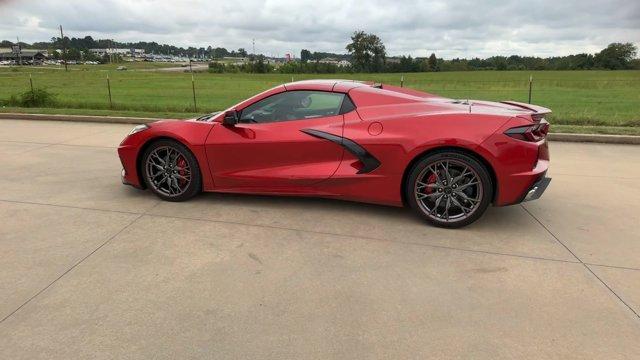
[(366, 53), (78, 48)]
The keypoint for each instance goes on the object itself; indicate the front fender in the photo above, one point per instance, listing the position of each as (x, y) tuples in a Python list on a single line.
[(192, 134)]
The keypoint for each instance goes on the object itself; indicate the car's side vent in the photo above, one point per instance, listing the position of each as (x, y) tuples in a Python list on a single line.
[(369, 162)]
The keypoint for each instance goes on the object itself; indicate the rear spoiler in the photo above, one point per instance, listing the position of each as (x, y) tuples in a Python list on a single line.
[(539, 110)]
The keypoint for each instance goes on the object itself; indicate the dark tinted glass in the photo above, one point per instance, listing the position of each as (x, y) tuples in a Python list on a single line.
[(293, 105)]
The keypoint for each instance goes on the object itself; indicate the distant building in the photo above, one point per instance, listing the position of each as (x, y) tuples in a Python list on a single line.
[(235, 60), (122, 52), (25, 56), (334, 61)]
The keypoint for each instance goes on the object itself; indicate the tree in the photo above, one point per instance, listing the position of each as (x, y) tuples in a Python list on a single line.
[(220, 52), (367, 51), (432, 63), (305, 55), (616, 56), (89, 56), (242, 52), (73, 54), (260, 66), (500, 62)]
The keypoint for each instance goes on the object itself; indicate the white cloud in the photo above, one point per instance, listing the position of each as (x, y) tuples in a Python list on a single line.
[(462, 28)]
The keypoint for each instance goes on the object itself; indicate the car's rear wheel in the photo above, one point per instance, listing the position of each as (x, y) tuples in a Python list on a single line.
[(449, 189), (171, 171)]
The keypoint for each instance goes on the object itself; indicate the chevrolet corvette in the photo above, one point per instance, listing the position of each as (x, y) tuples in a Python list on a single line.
[(447, 159)]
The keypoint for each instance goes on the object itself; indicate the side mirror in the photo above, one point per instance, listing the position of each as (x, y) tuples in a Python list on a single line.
[(230, 118)]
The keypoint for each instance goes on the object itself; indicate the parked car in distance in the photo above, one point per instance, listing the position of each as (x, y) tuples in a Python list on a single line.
[(447, 159)]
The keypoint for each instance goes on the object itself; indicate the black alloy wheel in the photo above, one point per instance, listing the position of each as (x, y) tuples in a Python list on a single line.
[(171, 171), (449, 189)]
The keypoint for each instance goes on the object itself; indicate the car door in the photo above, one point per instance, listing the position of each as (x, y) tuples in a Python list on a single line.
[(267, 149)]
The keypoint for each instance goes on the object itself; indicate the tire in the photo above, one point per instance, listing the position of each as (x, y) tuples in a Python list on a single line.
[(177, 179), (449, 189)]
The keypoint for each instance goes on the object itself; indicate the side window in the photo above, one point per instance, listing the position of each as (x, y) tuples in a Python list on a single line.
[(293, 105)]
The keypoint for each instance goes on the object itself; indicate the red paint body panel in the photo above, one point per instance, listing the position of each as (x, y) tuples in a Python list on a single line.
[(395, 125), (273, 156)]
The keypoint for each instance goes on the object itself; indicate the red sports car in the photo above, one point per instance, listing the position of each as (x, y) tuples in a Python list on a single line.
[(447, 159)]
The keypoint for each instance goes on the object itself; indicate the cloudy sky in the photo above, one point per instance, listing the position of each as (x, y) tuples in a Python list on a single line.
[(454, 28)]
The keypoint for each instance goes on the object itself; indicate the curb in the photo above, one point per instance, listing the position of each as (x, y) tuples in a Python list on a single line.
[(592, 138), (595, 138), (78, 118)]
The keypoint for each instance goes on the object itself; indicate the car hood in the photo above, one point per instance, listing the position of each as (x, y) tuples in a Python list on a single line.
[(207, 117)]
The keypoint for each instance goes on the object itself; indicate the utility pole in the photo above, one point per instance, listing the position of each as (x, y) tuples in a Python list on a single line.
[(64, 50), (19, 51), (254, 46)]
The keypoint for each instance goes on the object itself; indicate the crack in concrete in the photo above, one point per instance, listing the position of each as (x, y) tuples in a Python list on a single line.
[(360, 237), (71, 268), (581, 262)]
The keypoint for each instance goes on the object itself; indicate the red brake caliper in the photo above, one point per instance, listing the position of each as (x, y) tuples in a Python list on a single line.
[(182, 164), (430, 180)]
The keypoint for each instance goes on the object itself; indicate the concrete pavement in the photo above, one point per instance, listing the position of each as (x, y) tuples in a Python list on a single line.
[(94, 269)]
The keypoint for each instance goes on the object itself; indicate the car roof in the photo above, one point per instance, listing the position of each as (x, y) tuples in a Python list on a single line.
[(345, 86), (336, 85)]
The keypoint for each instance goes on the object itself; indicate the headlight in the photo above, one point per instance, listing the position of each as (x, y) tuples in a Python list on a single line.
[(138, 128)]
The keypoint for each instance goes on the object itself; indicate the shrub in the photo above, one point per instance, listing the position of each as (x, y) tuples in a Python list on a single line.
[(35, 98), (216, 67)]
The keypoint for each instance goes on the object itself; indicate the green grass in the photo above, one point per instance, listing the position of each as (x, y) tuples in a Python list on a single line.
[(101, 112), (581, 98)]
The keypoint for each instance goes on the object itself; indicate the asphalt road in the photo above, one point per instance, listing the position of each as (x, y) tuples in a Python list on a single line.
[(94, 269)]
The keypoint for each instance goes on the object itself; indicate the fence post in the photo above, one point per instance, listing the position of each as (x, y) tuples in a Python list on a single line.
[(193, 87), (31, 83), (402, 81), (530, 86), (109, 89)]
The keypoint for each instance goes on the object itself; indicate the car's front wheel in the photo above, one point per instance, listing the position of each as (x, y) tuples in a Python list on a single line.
[(449, 189), (171, 171)]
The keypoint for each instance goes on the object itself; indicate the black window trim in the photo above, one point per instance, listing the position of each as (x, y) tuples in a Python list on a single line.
[(346, 101)]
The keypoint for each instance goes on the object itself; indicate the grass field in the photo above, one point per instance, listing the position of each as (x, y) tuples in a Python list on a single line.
[(607, 99)]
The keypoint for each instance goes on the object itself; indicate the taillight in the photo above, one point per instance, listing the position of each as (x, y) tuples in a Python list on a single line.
[(532, 133), (537, 117)]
